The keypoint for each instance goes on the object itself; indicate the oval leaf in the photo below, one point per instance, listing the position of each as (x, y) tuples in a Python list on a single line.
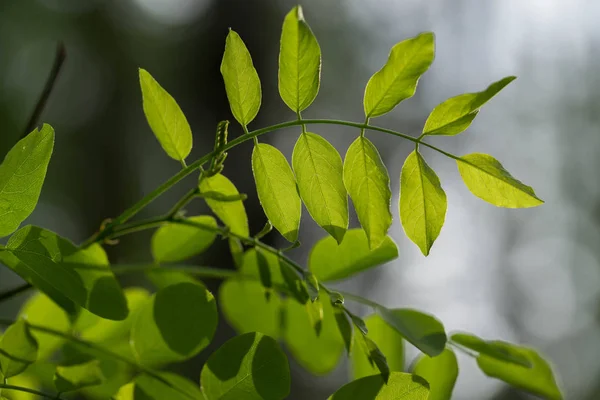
[(398, 78), (487, 179), (423, 202), (422, 330), (18, 349), (400, 386), (455, 115), (22, 175), (175, 324), (319, 171), (241, 80), (251, 366), (489, 348), (299, 62), (441, 373), (176, 242), (232, 213), (74, 377), (165, 118), (330, 261), (276, 188), (368, 185)]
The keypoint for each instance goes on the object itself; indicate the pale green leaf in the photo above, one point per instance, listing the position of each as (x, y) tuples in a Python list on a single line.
[(22, 175), (398, 78), (492, 349), (241, 80), (18, 349), (276, 188), (422, 330), (299, 62), (174, 325), (388, 340), (232, 213), (441, 373), (487, 179), (165, 118), (150, 388), (423, 202), (176, 242), (68, 275), (126, 392), (74, 377), (400, 386), (330, 261), (455, 115), (250, 367), (318, 354), (319, 172), (368, 185)]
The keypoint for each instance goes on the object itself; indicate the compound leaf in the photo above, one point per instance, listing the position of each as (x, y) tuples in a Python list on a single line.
[(232, 213)]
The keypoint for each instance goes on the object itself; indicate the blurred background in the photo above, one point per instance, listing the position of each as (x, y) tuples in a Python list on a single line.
[(526, 276)]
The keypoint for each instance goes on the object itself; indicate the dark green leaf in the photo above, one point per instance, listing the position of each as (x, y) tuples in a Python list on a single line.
[(422, 202), (22, 175), (264, 270), (330, 261), (487, 179), (490, 349), (344, 326), (422, 330), (251, 366), (74, 377), (312, 285), (276, 188), (232, 213), (455, 115), (398, 78), (373, 354), (368, 185), (294, 284), (400, 386), (176, 242), (18, 349), (241, 80), (165, 118), (441, 373)]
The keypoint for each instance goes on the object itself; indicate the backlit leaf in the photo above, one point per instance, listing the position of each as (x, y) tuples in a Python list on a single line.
[(455, 115), (368, 185), (18, 349), (22, 175), (299, 62), (440, 372), (276, 188), (400, 386), (423, 202), (373, 354), (176, 242), (398, 78), (487, 179), (241, 80), (232, 213), (329, 261), (150, 388), (165, 118), (74, 377), (493, 349), (319, 172), (251, 366)]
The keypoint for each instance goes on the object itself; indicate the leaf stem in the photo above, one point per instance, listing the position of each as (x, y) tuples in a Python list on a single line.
[(14, 292), (359, 299), (30, 391), (362, 130)]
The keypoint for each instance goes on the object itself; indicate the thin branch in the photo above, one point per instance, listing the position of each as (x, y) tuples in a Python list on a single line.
[(14, 292), (30, 391)]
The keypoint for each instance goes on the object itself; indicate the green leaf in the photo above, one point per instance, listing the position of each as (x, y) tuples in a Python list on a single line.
[(22, 175), (400, 386), (423, 202), (68, 275), (368, 185), (149, 388), (538, 379), (276, 188), (126, 392), (299, 62), (75, 377), (319, 171), (18, 349), (455, 115), (373, 354), (241, 80), (176, 242), (251, 366), (490, 349), (330, 261), (441, 373), (398, 78), (41, 310), (422, 330), (232, 213), (294, 284), (175, 324), (264, 271), (344, 326), (487, 179), (315, 314), (165, 118), (388, 340)]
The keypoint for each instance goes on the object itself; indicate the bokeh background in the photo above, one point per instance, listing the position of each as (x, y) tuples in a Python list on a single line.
[(527, 276)]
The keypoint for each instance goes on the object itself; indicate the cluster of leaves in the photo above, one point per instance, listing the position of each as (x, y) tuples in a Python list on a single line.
[(82, 332)]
